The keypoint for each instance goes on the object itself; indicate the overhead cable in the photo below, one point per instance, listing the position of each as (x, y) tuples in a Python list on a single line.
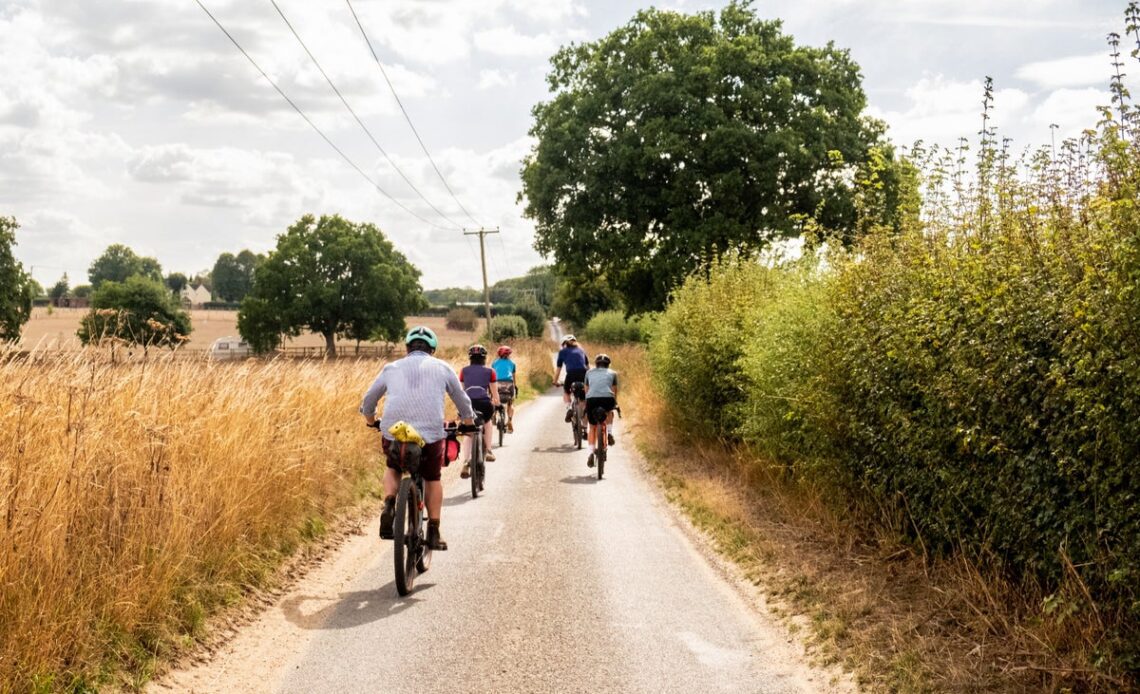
[(313, 125), (405, 112), (356, 117)]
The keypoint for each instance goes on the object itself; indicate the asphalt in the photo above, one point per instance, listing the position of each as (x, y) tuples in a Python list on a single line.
[(554, 582)]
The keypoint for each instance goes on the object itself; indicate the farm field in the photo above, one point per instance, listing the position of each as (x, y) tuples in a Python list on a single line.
[(56, 330)]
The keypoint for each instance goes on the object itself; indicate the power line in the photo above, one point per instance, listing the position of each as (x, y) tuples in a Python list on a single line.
[(356, 117), (405, 112), (313, 125)]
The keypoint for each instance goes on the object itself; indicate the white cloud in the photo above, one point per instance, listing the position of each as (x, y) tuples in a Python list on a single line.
[(1071, 110), (496, 78), (509, 41), (942, 110), (1074, 71)]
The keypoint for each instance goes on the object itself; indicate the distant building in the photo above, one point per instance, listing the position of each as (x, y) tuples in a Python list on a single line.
[(195, 297), (229, 347)]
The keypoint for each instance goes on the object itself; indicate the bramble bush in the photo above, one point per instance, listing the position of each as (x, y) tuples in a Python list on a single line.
[(977, 373), (461, 319), (507, 328), (613, 327)]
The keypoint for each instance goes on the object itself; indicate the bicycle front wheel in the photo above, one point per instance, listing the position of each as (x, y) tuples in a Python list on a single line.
[(423, 552), (405, 531), (476, 464)]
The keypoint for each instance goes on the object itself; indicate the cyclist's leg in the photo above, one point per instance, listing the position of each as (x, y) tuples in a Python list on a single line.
[(430, 467), (433, 498), (391, 482)]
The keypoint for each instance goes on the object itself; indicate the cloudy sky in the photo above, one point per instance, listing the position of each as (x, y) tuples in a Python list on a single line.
[(138, 122)]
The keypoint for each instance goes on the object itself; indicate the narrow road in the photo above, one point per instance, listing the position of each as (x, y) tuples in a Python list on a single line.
[(554, 582)]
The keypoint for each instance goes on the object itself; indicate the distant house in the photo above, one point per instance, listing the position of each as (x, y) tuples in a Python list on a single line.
[(195, 297)]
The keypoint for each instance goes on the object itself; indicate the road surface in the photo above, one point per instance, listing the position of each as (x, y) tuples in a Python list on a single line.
[(554, 582)]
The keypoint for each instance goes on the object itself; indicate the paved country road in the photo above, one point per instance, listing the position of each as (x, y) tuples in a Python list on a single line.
[(554, 582)]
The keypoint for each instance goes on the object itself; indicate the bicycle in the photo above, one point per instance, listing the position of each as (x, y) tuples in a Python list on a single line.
[(411, 554), (577, 397), (602, 442), (477, 463), (501, 422)]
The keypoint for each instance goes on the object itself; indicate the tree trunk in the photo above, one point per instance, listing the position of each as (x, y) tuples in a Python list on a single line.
[(330, 344)]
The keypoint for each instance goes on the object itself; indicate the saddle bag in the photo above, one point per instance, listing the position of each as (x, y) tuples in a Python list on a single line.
[(405, 456)]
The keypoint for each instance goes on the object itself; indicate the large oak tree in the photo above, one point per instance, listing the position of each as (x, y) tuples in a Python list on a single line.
[(680, 137), (15, 285), (119, 263), (333, 277)]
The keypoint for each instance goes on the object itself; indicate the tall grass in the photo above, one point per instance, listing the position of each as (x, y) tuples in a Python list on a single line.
[(135, 498)]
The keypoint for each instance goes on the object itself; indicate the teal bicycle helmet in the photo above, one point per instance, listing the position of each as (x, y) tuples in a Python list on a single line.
[(423, 334)]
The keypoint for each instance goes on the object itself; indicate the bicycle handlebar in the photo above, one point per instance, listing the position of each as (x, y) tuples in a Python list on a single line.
[(461, 428)]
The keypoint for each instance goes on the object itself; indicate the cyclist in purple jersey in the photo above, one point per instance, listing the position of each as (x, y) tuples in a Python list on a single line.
[(478, 379)]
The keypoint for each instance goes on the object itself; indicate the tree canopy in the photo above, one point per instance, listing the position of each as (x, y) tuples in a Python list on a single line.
[(680, 137), (333, 277), (176, 282), (140, 310), (15, 285), (233, 274), (118, 263), (60, 289)]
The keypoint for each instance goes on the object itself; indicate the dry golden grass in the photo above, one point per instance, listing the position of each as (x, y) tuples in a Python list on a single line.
[(900, 621), (137, 497)]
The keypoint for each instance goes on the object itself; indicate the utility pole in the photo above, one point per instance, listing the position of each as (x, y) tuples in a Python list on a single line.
[(481, 233)]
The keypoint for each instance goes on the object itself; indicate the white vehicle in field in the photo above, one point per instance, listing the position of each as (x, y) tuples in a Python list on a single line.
[(229, 347)]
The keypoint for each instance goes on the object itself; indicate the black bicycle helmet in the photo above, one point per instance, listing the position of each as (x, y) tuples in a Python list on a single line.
[(602, 360)]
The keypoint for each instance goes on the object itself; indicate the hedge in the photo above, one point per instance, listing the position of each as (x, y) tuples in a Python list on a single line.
[(978, 375)]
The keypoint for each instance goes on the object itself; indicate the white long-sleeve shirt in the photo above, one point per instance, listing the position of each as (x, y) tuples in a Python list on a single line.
[(415, 386)]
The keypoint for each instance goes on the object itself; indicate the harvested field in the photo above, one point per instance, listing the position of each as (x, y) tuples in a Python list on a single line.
[(56, 330)]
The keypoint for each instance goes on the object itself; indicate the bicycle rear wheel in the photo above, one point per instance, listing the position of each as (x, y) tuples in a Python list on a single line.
[(502, 428), (476, 463), (576, 422), (406, 530), (600, 453)]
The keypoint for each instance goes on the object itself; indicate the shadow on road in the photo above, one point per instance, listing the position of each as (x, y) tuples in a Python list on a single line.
[(588, 479), (564, 448), (350, 609), (458, 499)]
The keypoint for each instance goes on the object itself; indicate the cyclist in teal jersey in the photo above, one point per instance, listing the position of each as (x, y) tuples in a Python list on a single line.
[(506, 375)]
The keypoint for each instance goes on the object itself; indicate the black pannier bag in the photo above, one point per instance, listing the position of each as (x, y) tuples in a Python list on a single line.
[(405, 456)]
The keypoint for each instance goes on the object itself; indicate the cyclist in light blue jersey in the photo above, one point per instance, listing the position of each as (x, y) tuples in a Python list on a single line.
[(506, 373)]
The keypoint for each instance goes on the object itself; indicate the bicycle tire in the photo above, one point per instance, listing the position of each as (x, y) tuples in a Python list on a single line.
[(600, 453), (576, 422), (404, 538), (502, 427), (423, 552), (476, 461)]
